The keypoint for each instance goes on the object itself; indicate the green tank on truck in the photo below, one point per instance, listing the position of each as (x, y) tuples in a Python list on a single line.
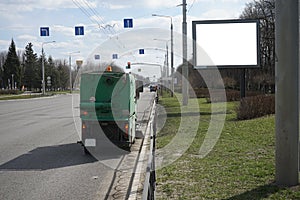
[(108, 108)]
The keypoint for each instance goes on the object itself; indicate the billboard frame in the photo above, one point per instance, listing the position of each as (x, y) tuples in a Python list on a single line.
[(226, 21)]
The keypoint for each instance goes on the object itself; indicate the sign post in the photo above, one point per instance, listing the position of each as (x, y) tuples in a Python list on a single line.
[(49, 81)]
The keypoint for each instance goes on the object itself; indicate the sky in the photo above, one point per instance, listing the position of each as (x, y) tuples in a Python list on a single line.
[(21, 20)]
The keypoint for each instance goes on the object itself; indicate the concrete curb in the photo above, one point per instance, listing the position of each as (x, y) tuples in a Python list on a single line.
[(139, 175)]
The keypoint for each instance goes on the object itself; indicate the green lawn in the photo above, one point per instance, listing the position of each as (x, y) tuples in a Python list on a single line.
[(12, 97), (30, 96), (240, 166)]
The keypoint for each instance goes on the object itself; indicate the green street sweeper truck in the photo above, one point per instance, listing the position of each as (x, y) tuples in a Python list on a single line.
[(108, 108)]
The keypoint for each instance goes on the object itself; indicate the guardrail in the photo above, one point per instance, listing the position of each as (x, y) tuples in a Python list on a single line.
[(150, 177)]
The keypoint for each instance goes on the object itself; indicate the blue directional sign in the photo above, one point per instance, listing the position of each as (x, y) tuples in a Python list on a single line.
[(44, 31), (141, 51), (115, 56), (97, 57), (79, 30), (128, 23)]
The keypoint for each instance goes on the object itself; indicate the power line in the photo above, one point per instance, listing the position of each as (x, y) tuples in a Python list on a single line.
[(97, 15), (89, 13), (191, 6), (84, 11)]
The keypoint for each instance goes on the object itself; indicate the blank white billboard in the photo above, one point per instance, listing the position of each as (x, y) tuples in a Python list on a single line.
[(226, 43)]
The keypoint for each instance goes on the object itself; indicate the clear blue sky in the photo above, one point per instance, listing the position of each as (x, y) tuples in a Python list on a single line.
[(21, 20)]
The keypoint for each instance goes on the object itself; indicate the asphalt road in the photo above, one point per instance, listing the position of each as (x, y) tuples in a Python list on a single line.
[(40, 158)]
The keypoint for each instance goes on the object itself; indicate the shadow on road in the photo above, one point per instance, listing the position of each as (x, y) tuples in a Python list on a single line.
[(51, 157)]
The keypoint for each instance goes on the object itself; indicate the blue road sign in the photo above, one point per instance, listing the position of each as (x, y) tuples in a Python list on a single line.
[(141, 51), (44, 31), (97, 57), (128, 23), (79, 30), (115, 56)]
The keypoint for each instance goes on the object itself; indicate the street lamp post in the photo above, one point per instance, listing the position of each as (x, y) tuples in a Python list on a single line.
[(12, 82), (166, 65), (167, 55), (43, 67), (172, 50), (70, 65)]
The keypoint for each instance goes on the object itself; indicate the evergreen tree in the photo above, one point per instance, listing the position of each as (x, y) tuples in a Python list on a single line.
[(11, 68), (63, 71), (32, 78)]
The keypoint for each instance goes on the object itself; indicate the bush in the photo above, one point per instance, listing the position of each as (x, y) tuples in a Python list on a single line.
[(256, 106), (7, 92), (216, 95)]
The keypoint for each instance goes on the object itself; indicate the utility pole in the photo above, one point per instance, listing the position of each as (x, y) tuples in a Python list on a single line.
[(185, 72), (43, 67), (287, 93), (172, 59), (167, 60), (70, 74)]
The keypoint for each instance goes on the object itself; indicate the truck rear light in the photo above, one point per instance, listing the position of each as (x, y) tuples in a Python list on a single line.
[(83, 129), (84, 113), (83, 126), (126, 127)]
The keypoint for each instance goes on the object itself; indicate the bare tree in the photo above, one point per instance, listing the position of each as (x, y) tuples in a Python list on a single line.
[(264, 11)]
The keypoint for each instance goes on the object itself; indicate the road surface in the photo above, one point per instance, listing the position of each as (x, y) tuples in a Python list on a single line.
[(40, 157)]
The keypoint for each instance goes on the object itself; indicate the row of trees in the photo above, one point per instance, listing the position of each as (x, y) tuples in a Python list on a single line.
[(264, 11), (22, 70), (263, 78)]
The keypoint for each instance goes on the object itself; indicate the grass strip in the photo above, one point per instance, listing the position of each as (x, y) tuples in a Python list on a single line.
[(240, 166), (31, 96)]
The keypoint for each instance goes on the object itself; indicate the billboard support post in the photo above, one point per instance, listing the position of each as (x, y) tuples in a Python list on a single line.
[(243, 82)]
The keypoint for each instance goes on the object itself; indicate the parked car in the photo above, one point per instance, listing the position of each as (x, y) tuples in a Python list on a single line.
[(153, 88)]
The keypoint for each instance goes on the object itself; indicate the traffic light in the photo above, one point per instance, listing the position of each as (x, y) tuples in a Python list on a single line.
[(128, 65)]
